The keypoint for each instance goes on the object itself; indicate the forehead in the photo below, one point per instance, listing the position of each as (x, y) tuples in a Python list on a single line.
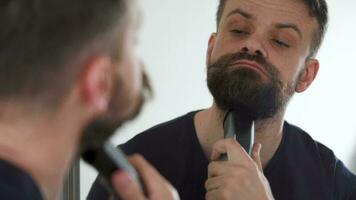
[(274, 11)]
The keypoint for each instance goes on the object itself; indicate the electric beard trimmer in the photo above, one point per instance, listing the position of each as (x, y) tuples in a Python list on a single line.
[(241, 127)]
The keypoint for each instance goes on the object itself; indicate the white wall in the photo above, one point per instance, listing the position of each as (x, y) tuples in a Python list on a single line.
[(173, 44)]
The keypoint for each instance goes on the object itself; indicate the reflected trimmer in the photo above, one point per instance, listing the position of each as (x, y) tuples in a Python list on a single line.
[(241, 127)]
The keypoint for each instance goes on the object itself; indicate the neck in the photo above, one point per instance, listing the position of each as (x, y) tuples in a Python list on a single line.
[(209, 128), (43, 147)]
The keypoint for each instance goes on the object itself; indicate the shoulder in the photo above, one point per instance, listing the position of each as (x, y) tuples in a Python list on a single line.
[(301, 138), (16, 183), (306, 143), (343, 180), (162, 136), (176, 125)]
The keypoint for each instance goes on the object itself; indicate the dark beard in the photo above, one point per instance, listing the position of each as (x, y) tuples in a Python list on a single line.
[(244, 90)]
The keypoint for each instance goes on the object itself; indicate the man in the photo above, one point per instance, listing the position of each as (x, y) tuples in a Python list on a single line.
[(262, 53), (64, 66)]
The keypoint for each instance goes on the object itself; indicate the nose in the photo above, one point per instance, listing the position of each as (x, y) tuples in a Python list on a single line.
[(256, 52), (254, 46)]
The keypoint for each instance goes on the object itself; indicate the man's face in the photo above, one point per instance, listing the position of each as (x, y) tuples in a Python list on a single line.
[(127, 96), (256, 57), (127, 93)]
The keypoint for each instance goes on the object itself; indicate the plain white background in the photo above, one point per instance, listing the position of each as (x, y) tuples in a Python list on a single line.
[(173, 44)]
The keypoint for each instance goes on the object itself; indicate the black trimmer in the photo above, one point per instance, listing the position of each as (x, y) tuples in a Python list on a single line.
[(240, 126)]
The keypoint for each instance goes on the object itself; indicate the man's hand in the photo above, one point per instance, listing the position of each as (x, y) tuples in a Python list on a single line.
[(157, 188), (239, 178)]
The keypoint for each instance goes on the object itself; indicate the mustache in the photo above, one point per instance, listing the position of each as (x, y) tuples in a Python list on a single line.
[(231, 58)]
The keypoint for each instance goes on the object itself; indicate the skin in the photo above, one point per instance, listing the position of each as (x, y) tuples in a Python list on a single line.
[(44, 145), (257, 27), (156, 186)]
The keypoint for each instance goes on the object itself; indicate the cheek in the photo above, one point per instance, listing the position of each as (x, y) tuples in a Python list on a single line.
[(131, 76), (289, 69), (221, 47), (128, 89)]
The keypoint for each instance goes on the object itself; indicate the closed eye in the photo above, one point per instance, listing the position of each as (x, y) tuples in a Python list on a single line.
[(281, 43), (238, 31)]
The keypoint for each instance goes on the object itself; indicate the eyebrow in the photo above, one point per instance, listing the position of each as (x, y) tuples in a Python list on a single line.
[(290, 26), (240, 12), (278, 25)]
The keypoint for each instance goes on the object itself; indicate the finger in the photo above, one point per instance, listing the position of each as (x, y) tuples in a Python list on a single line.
[(151, 178), (218, 148), (220, 168), (218, 194), (256, 155), (215, 183), (215, 168), (235, 152), (155, 185), (126, 187), (212, 195)]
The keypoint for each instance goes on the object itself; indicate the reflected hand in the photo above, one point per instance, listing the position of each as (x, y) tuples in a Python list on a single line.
[(157, 188), (239, 178)]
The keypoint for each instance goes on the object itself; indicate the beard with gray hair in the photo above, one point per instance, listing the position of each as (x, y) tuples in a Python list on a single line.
[(244, 90)]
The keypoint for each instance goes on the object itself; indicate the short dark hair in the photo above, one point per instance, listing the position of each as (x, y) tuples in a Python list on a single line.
[(317, 9), (42, 41)]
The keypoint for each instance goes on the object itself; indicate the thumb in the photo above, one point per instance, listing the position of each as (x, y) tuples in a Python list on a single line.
[(126, 187), (256, 150)]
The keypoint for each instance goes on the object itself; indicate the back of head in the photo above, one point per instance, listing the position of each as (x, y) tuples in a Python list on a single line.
[(43, 42)]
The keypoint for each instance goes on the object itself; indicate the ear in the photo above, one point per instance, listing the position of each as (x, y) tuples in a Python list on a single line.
[(210, 49), (96, 82), (307, 75)]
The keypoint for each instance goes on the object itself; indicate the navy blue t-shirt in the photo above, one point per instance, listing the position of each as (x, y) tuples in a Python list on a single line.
[(301, 169), (16, 184)]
